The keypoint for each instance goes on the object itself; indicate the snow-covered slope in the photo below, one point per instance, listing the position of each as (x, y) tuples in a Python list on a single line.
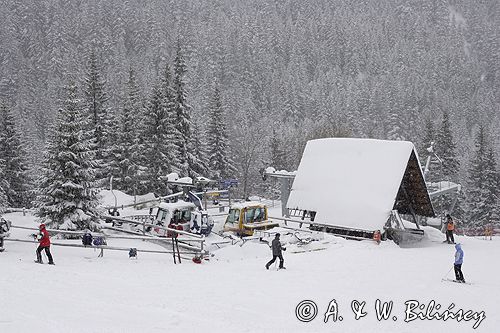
[(233, 292)]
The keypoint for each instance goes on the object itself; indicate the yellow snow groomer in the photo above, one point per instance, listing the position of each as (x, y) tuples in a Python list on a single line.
[(245, 217)]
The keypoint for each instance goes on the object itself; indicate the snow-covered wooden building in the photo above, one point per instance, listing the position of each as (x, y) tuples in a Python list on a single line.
[(358, 185)]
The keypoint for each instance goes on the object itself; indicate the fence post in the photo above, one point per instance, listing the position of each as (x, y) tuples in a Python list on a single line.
[(173, 247), (178, 252), (202, 243)]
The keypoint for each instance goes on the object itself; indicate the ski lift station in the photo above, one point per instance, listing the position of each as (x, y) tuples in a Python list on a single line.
[(355, 187)]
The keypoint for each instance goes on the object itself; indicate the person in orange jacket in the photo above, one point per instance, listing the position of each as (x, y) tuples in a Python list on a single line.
[(377, 236), (44, 240), (450, 227)]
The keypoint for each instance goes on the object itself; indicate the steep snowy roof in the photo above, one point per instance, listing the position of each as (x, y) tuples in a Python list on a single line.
[(355, 183)]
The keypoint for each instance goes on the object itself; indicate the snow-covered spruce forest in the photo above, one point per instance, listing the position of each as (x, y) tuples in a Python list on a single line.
[(223, 88)]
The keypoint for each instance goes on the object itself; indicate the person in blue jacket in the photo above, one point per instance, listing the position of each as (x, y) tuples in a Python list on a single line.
[(459, 259)]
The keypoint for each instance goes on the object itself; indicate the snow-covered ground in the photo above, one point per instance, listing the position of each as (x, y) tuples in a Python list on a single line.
[(234, 292)]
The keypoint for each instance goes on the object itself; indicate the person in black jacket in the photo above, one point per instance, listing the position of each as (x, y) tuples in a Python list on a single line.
[(4, 231), (277, 248)]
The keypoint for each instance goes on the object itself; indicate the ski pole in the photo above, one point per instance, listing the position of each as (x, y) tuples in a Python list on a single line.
[(448, 272)]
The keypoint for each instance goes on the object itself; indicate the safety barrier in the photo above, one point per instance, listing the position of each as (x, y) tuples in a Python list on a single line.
[(175, 249), (191, 241)]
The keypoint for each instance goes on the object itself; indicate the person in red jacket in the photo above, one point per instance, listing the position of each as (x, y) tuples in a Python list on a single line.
[(44, 240)]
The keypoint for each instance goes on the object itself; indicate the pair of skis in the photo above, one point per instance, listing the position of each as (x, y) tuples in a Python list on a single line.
[(456, 281)]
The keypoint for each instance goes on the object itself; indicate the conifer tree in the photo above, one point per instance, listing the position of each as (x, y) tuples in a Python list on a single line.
[(127, 152), (3, 186), (66, 193), (101, 119), (158, 136), (221, 164), (14, 171), (446, 149), (169, 98), (186, 160), (395, 128), (476, 181), (278, 155), (490, 188), (199, 149)]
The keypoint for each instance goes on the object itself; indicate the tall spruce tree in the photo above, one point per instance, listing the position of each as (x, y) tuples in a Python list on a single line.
[(278, 154), (220, 162), (159, 149), (14, 171), (66, 193), (446, 149), (3, 186), (476, 181), (491, 188), (100, 124), (126, 154), (395, 128), (199, 148), (172, 134), (187, 161)]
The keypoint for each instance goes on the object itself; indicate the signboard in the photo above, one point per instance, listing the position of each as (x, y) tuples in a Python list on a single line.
[(227, 183)]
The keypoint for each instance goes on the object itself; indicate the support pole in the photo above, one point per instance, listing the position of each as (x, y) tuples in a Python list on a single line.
[(285, 186), (202, 245), (178, 252), (173, 249)]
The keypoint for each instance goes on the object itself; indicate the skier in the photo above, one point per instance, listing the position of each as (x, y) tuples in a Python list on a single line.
[(44, 240), (459, 259), (377, 236), (450, 227), (277, 248), (488, 231), (4, 231)]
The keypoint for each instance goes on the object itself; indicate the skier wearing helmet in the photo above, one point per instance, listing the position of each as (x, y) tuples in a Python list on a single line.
[(44, 240)]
